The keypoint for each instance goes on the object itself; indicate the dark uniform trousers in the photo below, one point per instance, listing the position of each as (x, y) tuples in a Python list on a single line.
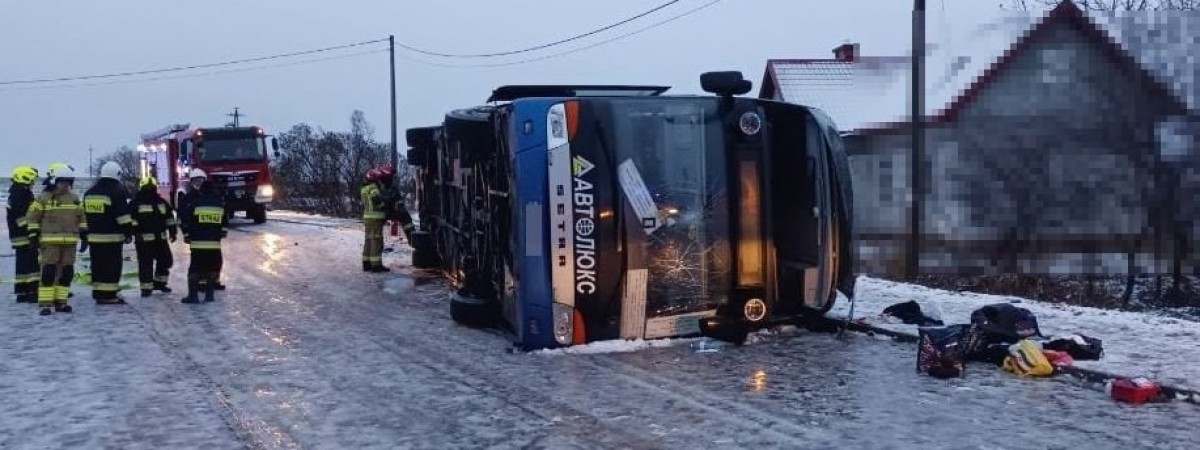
[(204, 269), (154, 262), (107, 262), (28, 271)]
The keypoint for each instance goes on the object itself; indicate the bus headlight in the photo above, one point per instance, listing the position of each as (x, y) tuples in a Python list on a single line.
[(556, 126), (750, 123), (564, 326), (265, 191)]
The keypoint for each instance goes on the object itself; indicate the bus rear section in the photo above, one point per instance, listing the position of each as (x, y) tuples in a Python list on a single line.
[(635, 216)]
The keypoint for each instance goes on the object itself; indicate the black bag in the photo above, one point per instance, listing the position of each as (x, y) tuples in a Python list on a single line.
[(910, 313), (939, 353), (980, 345), (1007, 320), (1080, 347)]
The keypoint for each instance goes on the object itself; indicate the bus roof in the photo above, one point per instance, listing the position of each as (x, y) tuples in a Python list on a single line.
[(514, 92)]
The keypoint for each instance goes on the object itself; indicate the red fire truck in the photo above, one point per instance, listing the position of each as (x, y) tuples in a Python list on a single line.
[(235, 159)]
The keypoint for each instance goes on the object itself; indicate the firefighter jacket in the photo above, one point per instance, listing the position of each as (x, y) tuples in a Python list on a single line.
[(202, 217), (107, 207), (153, 217), (20, 197), (57, 219), (372, 202), (393, 206)]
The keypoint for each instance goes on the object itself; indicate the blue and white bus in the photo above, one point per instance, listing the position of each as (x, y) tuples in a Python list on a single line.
[(573, 214)]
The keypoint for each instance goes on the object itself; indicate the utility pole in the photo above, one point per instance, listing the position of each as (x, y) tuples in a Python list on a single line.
[(917, 155), (392, 61), (236, 115), (91, 162)]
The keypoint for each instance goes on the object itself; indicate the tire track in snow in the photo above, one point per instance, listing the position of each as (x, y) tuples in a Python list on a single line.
[(234, 419), (724, 410), (465, 373), (732, 412)]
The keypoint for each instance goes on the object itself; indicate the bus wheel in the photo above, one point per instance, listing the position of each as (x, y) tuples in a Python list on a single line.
[(472, 311)]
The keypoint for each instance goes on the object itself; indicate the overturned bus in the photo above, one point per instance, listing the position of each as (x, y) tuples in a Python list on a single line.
[(572, 214)]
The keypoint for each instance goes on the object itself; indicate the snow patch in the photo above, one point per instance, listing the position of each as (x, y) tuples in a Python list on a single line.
[(1135, 343), (615, 346)]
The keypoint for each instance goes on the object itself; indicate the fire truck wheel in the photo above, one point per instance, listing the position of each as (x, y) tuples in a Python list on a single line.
[(472, 311), (258, 214)]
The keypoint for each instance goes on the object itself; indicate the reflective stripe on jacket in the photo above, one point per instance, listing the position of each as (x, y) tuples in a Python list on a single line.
[(57, 219)]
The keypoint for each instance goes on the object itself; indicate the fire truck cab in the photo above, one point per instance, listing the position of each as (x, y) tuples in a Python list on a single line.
[(235, 159)]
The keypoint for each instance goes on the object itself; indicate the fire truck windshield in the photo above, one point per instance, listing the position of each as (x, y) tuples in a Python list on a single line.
[(676, 147), (235, 149)]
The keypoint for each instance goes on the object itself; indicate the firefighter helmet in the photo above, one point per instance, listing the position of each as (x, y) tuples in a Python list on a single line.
[(110, 170), (24, 175), (197, 173), (64, 174), (387, 170), (374, 175), (56, 168)]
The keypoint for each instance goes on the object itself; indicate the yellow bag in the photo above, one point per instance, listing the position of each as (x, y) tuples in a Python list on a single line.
[(1025, 359)]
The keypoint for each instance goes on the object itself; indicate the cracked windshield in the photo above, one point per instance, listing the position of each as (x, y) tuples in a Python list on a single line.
[(672, 172)]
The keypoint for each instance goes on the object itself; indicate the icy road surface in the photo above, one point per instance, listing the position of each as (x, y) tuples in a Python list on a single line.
[(305, 351)]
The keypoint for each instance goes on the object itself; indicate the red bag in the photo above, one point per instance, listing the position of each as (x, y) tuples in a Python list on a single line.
[(1059, 359)]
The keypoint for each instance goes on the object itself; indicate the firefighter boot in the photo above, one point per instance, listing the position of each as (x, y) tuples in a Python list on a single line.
[(161, 286), (366, 266), (208, 290), (192, 287), (45, 311), (63, 308), (146, 293)]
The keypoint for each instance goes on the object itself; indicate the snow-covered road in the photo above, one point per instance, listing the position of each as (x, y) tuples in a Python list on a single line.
[(305, 351)]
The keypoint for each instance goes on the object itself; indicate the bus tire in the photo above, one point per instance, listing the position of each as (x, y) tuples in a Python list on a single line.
[(472, 129), (472, 311)]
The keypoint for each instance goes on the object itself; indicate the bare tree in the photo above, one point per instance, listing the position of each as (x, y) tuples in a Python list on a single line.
[(322, 171), (1108, 5)]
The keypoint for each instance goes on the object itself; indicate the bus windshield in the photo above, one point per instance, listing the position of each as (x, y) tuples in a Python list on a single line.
[(672, 168), (235, 149)]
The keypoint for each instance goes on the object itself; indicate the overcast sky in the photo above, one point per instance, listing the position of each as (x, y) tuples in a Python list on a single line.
[(40, 124)]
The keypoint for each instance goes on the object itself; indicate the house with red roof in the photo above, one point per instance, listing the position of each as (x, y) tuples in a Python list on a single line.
[(1059, 144)]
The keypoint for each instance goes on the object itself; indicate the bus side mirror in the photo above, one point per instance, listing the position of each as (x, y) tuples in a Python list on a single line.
[(275, 146), (725, 84)]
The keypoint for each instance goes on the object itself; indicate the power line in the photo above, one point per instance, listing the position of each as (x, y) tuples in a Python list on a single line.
[(197, 75), (191, 67), (539, 47), (575, 50)]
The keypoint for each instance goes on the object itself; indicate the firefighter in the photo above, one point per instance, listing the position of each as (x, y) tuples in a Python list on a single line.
[(393, 202), (373, 218), (110, 227), (193, 191), (48, 183), (154, 224), (20, 197), (202, 217), (56, 223)]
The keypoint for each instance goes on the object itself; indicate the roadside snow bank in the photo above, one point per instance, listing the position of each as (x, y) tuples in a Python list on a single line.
[(1135, 344)]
